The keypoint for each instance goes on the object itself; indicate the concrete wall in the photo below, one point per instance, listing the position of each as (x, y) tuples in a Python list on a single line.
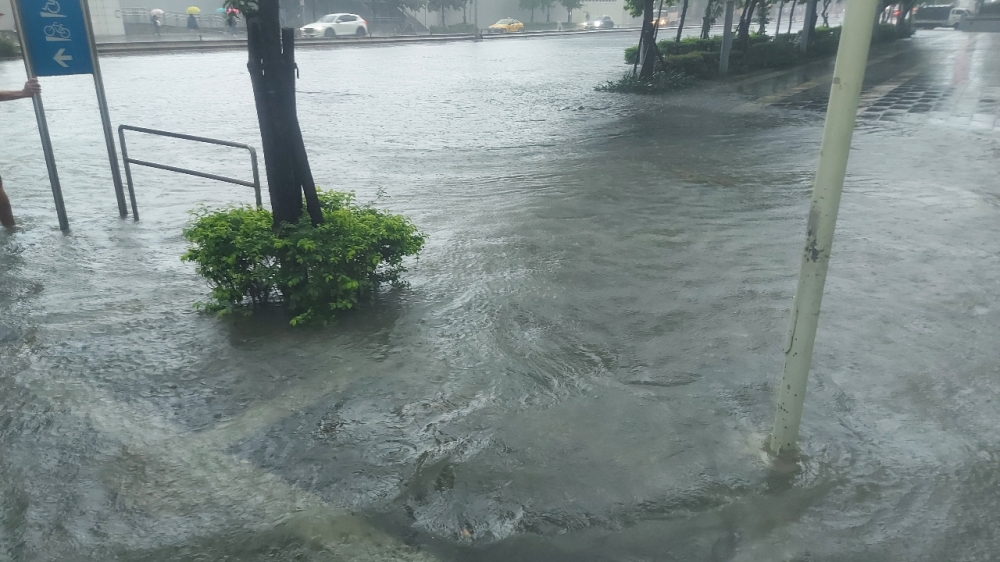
[(106, 15)]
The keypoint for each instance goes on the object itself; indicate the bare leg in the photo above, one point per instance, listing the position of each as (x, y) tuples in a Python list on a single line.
[(6, 213)]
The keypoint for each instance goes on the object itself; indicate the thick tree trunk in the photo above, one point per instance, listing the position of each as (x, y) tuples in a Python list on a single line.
[(777, 28), (272, 75), (647, 45), (743, 31), (680, 24)]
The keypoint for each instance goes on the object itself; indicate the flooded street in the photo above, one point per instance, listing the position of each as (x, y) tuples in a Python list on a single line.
[(582, 367)]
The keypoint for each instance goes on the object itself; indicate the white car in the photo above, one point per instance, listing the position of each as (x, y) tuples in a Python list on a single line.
[(337, 25)]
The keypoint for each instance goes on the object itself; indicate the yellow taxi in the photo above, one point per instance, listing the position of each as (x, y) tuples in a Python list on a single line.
[(506, 25)]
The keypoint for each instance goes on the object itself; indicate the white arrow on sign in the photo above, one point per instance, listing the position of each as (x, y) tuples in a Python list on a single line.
[(61, 58)]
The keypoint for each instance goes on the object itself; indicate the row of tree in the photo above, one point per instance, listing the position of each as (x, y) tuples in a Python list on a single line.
[(648, 52), (546, 6)]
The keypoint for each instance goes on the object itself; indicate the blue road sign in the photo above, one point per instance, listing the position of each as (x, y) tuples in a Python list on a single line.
[(56, 34)]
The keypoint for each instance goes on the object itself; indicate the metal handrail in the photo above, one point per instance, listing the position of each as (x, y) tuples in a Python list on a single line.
[(255, 184)]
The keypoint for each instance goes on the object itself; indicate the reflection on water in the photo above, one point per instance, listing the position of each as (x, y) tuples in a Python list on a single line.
[(580, 368)]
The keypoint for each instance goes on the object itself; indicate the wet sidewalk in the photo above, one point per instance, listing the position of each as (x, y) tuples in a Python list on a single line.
[(941, 77)]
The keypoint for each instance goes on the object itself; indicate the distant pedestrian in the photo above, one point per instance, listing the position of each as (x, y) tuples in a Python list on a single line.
[(231, 22), (156, 24), (31, 88), (281, 16), (192, 23)]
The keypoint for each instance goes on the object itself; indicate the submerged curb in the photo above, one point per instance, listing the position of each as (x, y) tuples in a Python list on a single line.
[(234, 44)]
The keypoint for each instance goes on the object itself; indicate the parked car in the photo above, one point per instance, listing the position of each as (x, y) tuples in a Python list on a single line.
[(929, 17), (603, 22), (337, 25), (662, 22), (506, 25), (956, 16)]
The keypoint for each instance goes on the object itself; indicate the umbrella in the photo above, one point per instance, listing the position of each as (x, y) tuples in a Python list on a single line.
[(233, 11), (220, 10), (194, 10), (156, 12)]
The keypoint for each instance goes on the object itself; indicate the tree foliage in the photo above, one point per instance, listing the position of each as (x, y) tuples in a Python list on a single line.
[(571, 5), (531, 6)]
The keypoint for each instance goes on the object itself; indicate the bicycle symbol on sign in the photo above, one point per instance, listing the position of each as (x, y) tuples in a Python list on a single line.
[(56, 32)]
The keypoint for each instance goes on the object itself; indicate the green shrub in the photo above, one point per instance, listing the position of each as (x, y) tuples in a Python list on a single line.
[(314, 270), (8, 49), (767, 52), (660, 83), (696, 63), (773, 54), (458, 28), (669, 47)]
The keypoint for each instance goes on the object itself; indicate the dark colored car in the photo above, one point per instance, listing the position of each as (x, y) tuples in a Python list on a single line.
[(603, 22)]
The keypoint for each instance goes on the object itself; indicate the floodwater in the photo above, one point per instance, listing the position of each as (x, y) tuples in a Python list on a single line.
[(582, 365)]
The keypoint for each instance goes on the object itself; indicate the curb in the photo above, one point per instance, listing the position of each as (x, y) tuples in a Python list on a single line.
[(234, 44)]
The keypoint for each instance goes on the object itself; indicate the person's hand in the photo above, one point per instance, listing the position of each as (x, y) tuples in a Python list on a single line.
[(31, 87)]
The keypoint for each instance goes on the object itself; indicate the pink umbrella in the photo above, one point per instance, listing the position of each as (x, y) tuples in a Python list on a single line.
[(233, 11)]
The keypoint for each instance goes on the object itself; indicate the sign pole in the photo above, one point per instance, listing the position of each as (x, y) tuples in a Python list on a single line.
[(43, 127), (841, 113), (102, 103)]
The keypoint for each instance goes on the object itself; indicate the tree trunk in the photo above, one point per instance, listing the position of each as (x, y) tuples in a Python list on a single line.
[(444, 25), (272, 76), (532, 20), (680, 24), (706, 22), (548, 13), (743, 31), (791, 17), (825, 14), (647, 55), (777, 28), (464, 13)]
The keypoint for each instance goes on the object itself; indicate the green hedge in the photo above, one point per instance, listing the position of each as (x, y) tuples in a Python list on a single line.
[(8, 49), (541, 26), (458, 28), (669, 47), (314, 270), (660, 83), (700, 57)]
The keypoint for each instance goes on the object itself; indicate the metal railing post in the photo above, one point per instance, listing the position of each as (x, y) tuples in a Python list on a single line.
[(128, 172), (255, 184), (256, 177)]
